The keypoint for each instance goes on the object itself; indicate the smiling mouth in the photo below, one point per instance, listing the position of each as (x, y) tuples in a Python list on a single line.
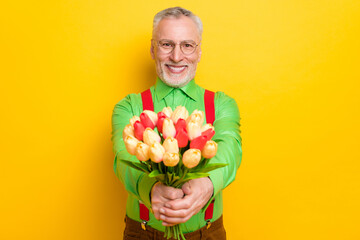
[(176, 69)]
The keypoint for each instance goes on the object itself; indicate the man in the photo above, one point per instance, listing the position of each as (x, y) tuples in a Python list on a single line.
[(176, 49)]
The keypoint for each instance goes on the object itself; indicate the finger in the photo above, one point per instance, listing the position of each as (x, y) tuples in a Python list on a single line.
[(184, 203), (173, 220), (167, 212), (186, 188)]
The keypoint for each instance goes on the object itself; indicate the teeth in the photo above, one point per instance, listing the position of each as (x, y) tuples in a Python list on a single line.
[(176, 69)]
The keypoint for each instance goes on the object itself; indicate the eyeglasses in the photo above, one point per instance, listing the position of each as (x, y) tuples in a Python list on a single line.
[(167, 46)]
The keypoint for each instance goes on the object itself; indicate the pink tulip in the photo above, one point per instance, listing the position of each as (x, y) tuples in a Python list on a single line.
[(208, 133), (167, 111), (182, 138), (171, 145), (209, 149), (193, 129), (181, 124), (206, 127), (191, 158), (168, 129), (139, 130), (150, 136), (128, 131), (157, 152), (160, 123), (142, 151), (130, 144), (171, 159), (152, 115), (198, 142), (179, 112), (134, 119), (197, 116), (146, 121)]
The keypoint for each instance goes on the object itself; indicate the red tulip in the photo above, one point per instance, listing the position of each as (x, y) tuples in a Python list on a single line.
[(208, 133), (146, 121), (198, 142), (161, 114), (181, 124), (139, 130), (182, 138), (160, 123)]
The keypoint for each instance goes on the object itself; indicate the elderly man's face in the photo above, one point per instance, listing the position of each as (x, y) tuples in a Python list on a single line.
[(176, 69)]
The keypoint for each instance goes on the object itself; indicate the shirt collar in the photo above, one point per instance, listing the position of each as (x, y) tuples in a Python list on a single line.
[(191, 89)]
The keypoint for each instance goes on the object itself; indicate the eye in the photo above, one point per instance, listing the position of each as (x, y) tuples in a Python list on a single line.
[(188, 45), (166, 44)]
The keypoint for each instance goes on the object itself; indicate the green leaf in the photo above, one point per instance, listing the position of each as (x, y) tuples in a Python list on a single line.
[(209, 167), (154, 173), (137, 166)]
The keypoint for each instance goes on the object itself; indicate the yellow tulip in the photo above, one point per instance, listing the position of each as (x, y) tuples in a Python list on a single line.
[(191, 157), (142, 151), (209, 149), (128, 131), (179, 112), (150, 136), (171, 159), (168, 128), (157, 152), (130, 144), (167, 111), (193, 129), (197, 116), (171, 145)]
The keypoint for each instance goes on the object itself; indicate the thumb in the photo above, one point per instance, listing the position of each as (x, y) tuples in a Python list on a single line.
[(186, 188)]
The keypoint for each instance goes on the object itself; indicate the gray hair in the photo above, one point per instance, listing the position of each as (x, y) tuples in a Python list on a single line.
[(177, 12)]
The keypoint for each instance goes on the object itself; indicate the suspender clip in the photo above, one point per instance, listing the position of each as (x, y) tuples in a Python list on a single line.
[(143, 225), (208, 224)]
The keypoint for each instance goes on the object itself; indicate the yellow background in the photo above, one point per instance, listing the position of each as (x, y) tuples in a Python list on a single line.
[(292, 66)]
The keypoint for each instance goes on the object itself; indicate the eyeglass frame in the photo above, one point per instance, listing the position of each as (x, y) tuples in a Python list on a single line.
[(158, 43)]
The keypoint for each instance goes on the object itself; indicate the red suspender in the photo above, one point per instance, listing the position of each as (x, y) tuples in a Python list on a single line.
[(148, 104), (147, 100), (209, 98)]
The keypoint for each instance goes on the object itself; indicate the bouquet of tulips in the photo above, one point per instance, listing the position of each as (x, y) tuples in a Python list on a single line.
[(172, 147)]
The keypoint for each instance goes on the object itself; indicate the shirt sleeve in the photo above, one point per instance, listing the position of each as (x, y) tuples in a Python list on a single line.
[(227, 136), (135, 182)]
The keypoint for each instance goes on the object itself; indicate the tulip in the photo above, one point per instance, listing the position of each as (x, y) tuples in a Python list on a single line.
[(130, 144), (150, 136), (198, 142), (197, 116), (209, 149), (191, 158), (171, 159), (171, 145), (206, 127), (168, 129), (193, 130), (142, 151), (157, 152), (181, 124), (146, 121), (128, 131), (160, 124), (161, 114), (208, 133), (167, 111), (134, 119), (182, 138), (152, 115), (179, 112), (139, 130)]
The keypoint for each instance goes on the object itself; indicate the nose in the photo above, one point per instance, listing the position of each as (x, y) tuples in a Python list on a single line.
[(176, 55)]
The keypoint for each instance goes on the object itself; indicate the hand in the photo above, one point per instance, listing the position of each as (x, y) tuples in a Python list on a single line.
[(161, 194), (197, 194)]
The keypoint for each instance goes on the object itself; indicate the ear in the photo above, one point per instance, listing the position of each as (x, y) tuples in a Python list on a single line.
[(199, 53), (152, 50)]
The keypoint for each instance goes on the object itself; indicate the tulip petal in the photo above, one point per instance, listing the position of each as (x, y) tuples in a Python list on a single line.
[(139, 130), (208, 133), (182, 138), (146, 121), (199, 142), (160, 124), (180, 124)]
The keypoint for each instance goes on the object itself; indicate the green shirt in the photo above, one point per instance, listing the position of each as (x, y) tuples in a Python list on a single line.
[(227, 135)]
